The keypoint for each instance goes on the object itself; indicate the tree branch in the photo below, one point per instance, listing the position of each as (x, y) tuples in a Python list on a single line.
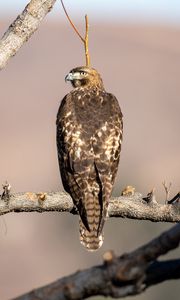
[(133, 207), (85, 39), (22, 28), (129, 274)]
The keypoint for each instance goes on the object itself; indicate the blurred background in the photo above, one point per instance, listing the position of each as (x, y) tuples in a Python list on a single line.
[(135, 45)]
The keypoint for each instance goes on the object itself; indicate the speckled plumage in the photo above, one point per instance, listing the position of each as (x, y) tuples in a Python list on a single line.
[(89, 134)]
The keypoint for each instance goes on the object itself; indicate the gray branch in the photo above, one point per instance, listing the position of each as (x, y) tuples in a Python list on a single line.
[(129, 274), (22, 28), (133, 207)]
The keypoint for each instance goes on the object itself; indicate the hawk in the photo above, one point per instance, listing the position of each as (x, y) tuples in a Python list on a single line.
[(89, 134)]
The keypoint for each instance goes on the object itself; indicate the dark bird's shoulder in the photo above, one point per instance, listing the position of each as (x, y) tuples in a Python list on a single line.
[(114, 103), (88, 105), (65, 102)]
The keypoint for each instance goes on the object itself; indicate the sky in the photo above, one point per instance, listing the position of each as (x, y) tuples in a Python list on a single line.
[(163, 11)]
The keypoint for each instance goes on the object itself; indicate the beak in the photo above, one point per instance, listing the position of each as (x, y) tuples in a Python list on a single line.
[(69, 77), (73, 76)]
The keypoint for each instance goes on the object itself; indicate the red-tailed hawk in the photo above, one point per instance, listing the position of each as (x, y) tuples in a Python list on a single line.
[(89, 135)]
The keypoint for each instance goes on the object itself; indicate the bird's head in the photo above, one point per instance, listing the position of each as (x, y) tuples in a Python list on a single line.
[(84, 77)]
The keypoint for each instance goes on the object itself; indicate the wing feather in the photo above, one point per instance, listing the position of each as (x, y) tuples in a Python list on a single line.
[(89, 134)]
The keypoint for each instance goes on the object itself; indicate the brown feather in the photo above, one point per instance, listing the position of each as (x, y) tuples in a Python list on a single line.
[(89, 135)]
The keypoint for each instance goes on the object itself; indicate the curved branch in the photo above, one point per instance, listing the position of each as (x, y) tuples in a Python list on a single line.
[(133, 207), (85, 40), (22, 28), (71, 22), (129, 274)]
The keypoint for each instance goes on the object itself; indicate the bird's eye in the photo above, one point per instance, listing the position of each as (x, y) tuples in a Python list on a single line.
[(82, 73)]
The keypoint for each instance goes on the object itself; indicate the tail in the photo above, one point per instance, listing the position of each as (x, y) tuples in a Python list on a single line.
[(91, 237)]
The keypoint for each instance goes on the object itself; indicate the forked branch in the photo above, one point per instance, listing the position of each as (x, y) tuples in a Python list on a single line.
[(85, 39), (26, 24)]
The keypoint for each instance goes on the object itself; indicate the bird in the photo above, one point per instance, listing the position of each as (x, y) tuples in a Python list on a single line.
[(89, 135)]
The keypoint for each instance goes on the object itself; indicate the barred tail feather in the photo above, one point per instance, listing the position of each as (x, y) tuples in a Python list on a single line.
[(89, 239)]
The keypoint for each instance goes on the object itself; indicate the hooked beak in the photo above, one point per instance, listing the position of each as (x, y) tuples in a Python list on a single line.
[(69, 77), (73, 76)]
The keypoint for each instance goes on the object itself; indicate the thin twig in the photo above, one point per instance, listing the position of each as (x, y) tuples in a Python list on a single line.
[(167, 190), (71, 22), (84, 40)]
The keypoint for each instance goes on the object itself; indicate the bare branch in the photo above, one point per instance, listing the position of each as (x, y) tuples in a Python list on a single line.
[(129, 274), (22, 28), (158, 272), (71, 22), (133, 207), (85, 40)]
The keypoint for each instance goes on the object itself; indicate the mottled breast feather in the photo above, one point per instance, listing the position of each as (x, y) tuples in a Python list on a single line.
[(89, 136)]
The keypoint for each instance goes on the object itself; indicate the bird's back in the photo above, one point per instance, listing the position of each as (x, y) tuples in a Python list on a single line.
[(89, 133)]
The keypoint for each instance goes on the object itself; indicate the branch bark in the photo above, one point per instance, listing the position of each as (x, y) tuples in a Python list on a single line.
[(129, 274), (133, 207), (22, 28)]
